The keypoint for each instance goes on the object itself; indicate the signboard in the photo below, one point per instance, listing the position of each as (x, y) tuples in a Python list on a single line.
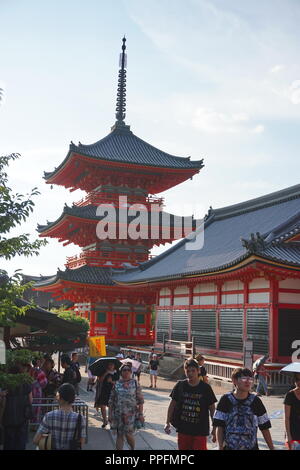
[(248, 354), (97, 346), (99, 331)]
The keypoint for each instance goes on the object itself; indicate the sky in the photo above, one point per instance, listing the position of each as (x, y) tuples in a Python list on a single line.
[(212, 79)]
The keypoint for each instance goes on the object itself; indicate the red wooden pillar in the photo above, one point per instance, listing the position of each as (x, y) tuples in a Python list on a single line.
[(109, 323), (92, 319), (219, 303), (191, 289), (246, 302), (273, 320), (148, 321), (171, 311)]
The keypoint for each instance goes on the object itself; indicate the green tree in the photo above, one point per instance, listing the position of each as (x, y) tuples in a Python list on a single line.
[(15, 208)]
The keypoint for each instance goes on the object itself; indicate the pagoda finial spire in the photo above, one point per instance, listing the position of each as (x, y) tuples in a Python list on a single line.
[(121, 93)]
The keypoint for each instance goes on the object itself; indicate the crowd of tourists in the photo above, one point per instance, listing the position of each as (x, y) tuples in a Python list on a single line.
[(235, 418), (46, 385)]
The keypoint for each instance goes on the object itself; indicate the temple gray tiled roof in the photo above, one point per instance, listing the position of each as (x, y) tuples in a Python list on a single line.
[(270, 215), (121, 145), (86, 274)]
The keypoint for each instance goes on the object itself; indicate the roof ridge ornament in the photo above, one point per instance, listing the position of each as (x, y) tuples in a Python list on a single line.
[(255, 244)]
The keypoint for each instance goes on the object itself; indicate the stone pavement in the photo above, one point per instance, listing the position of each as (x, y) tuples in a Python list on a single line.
[(156, 404)]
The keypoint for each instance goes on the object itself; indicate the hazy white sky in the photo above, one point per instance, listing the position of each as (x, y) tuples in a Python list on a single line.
[(213, 79)]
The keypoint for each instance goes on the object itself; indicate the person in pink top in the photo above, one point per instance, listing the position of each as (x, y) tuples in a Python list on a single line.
[(40, 382)]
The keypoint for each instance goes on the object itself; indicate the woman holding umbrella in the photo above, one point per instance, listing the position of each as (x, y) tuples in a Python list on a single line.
[(105, 383), (126, 408)]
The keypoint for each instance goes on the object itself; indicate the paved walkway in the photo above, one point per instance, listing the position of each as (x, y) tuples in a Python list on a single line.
[(156, 404)]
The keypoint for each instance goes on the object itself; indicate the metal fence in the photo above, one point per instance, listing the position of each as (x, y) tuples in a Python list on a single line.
[(41, 406)]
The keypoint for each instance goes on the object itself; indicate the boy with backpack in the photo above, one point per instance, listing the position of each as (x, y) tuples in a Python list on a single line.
[(239, 414)]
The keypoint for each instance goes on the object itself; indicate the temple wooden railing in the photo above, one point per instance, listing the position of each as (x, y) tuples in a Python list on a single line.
[(98, 258), (179, 348), (96, 198)]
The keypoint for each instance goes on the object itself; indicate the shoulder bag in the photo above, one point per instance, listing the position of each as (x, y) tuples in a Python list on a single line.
[(45, 442), (75, 443)]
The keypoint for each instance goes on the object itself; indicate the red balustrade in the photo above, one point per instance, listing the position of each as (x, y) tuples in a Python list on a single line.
[(98, 258), (95, 198)]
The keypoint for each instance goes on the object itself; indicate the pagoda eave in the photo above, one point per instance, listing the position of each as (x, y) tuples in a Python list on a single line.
[(84, 172), (82, 231)]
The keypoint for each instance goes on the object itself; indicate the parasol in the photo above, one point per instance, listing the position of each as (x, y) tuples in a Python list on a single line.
[(134, 364), (99, 367), (293, 367)]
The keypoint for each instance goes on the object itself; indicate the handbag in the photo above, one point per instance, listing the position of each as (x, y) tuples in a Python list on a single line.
[(45, 442), (176, 415), (75, 443)]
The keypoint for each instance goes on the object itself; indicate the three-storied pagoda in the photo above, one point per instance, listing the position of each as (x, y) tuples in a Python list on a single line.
[(121, 174)]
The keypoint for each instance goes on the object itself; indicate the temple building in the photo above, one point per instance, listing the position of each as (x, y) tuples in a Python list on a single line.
[(242, 284), (116, 224)]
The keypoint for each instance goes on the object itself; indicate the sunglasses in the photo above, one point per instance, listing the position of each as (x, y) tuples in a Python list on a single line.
[(126, 370)]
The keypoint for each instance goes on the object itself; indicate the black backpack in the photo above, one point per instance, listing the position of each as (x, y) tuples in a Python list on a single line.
[(77, 372)]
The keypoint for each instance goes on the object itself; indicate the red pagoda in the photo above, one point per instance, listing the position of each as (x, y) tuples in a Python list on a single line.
[(121, 175)]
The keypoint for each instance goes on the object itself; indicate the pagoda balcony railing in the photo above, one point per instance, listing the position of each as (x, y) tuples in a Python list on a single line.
[(95, 198), (98, 258)]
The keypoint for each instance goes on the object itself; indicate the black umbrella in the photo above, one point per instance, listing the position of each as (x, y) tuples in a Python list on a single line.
[(99, 367)]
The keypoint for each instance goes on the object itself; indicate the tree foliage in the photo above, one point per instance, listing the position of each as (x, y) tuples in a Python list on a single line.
[(15, 208), (10, 290), (72, 317), (9, 381)]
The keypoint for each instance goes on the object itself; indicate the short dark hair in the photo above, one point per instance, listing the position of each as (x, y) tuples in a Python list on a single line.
[(67, 393), (50, 361), (65, 359), (191, 363), (241, 372)]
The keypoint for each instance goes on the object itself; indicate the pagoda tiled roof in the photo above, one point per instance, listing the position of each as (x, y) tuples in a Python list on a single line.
[(84, 274), (89, 213), (231, 234), (121, 145)]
